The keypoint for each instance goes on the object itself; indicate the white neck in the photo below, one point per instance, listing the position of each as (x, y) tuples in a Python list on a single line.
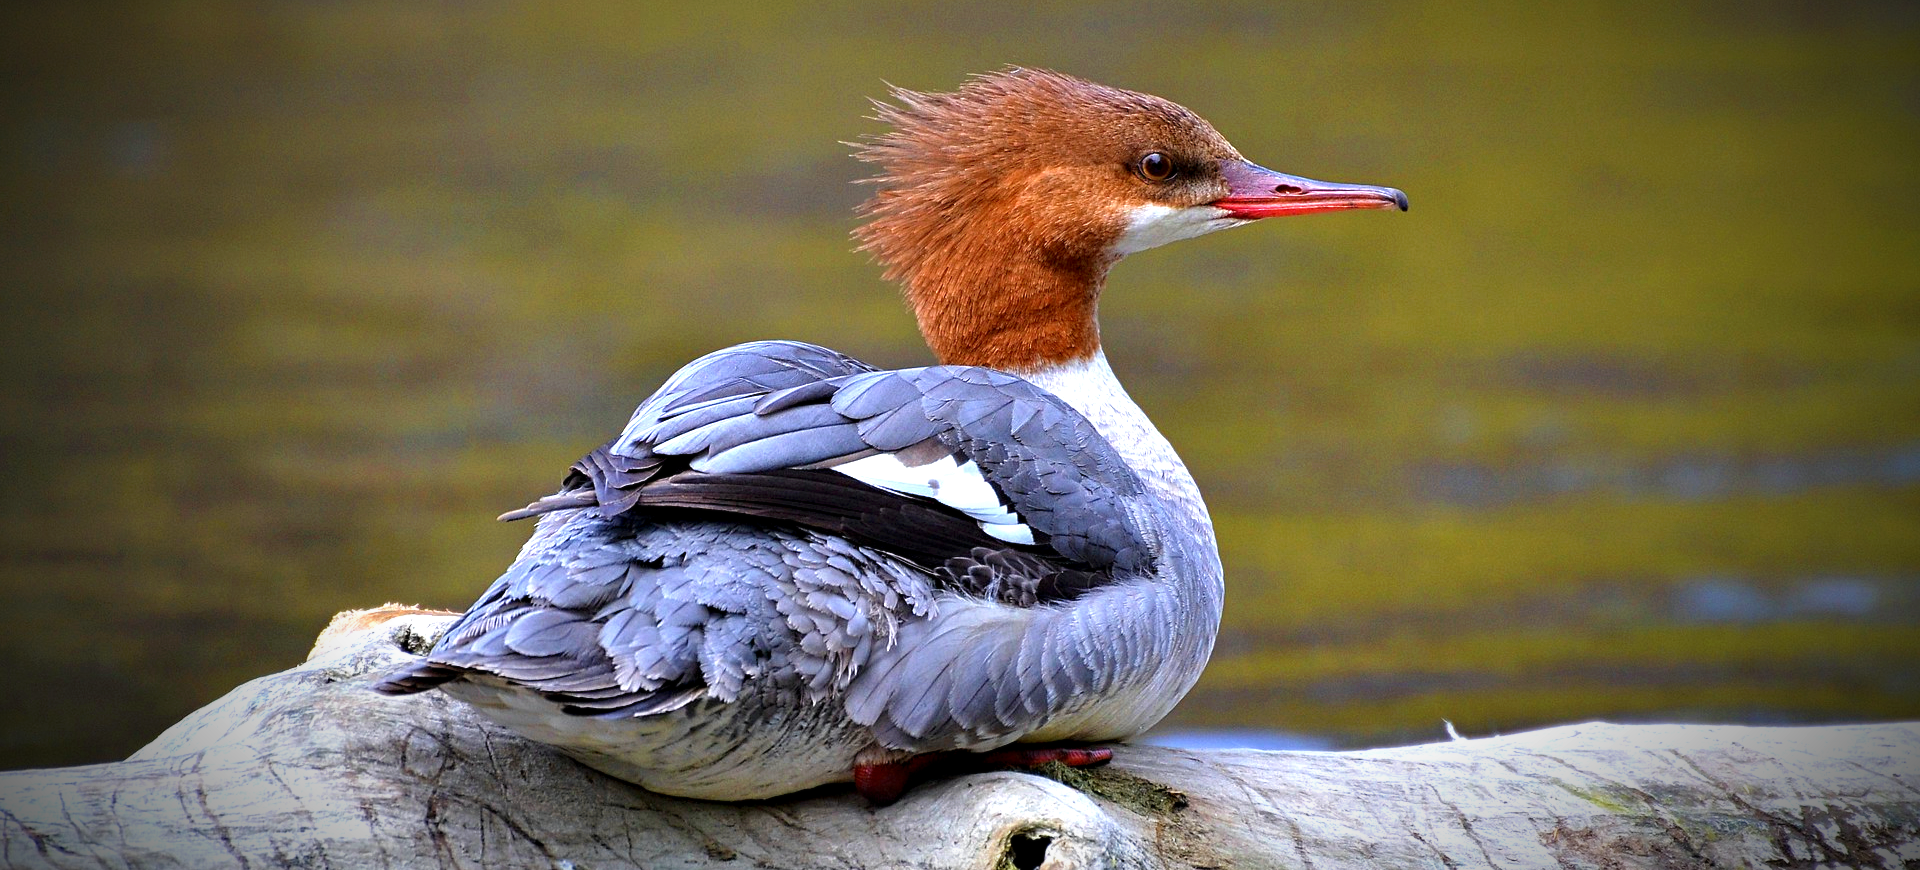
[(1089, 386)]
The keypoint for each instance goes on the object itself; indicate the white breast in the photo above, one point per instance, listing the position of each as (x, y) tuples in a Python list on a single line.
[(1090, 387)]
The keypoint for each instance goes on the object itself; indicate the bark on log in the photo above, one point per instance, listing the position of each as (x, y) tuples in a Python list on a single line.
[(306, 768)]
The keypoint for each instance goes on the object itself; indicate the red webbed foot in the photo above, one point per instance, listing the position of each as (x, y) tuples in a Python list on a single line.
[(884, 782), (1029, 757)]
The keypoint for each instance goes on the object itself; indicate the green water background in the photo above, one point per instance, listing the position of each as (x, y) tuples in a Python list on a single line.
[(1621, 420)]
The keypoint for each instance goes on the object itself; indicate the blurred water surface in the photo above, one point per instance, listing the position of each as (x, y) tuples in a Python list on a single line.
[(1622, 420)]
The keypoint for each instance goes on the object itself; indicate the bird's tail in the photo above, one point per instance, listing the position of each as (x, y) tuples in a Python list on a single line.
[(417, 677)]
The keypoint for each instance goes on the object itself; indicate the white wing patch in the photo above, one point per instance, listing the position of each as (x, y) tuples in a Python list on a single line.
[(1012, 533), (958, 485)]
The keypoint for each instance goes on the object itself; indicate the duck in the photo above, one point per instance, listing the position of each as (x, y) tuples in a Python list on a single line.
[(792, 569)]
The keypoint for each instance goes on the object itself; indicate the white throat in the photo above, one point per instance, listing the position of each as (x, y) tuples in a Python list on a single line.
[(1089, 386), (1150, 226)]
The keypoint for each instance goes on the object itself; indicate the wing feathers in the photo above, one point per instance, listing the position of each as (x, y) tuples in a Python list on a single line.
[(932, 446), (790, 449), (781, 518)]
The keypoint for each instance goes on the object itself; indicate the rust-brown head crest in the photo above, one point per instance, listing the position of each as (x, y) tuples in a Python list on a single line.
[(1001, 205)]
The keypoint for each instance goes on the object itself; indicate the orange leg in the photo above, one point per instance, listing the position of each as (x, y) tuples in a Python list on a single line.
[(1026, 757), (882, 784)]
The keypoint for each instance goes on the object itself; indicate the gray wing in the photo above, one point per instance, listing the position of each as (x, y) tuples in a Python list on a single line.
[(780, 513), (607, 619), (995, 485)]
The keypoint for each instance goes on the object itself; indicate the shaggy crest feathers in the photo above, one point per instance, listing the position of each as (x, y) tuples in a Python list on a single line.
[(999, 203)]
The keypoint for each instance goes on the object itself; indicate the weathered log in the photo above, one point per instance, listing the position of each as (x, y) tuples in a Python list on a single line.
[(306, 768)]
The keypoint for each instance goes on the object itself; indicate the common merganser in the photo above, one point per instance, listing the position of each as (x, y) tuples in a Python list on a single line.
[(793, 569)]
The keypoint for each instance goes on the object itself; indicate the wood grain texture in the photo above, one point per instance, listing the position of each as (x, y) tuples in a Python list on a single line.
[(305, 768)]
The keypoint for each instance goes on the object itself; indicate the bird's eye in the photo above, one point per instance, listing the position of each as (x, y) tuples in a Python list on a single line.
[(1155, 167)]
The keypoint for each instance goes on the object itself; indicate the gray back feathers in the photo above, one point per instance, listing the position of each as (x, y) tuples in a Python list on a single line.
[(713, 550)]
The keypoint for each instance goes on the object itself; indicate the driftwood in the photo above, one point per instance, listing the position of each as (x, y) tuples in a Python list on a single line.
[(306, 768)]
